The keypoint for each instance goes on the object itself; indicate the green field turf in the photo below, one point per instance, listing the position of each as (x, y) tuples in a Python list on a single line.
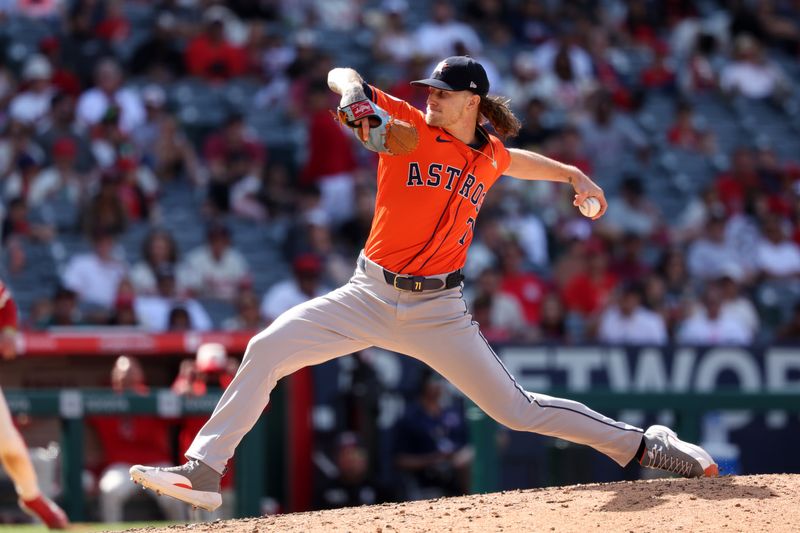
[(83, 528)]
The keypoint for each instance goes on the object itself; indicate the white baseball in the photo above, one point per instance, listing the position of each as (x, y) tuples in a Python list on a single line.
[(590, 207)]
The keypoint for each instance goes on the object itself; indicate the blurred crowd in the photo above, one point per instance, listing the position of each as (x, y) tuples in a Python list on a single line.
[(684, 111)]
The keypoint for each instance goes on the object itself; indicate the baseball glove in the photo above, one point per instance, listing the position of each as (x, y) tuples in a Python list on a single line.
[(386, 134)]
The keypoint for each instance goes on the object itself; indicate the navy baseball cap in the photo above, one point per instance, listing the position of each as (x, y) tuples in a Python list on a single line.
[(458, 73)]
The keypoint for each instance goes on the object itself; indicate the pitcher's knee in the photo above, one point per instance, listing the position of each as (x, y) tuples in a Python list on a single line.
[(269, 352), (262, 346)]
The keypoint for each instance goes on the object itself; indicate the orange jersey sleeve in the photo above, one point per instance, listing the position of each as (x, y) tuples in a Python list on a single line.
[(428, 200)]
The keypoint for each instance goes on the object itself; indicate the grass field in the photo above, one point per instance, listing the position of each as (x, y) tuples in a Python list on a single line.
[(82, 528)]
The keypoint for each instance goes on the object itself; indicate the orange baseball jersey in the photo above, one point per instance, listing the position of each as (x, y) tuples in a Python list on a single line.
[(428, 200)]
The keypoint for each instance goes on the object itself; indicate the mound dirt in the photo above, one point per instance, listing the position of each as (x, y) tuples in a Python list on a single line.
[(742, 503)]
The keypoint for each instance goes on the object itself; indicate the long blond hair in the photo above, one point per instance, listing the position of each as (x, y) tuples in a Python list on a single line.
[(496, 111)]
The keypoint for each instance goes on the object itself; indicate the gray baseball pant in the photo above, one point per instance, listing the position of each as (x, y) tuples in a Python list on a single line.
[(433, 327)]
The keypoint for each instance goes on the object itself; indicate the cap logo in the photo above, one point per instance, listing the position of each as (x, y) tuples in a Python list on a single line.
[(472, 85), (439, 68)]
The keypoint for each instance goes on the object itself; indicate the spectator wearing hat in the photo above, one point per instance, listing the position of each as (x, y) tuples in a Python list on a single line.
[(127, 440), (304, 285), (62, 174), (629, 322), (137, 188), (124, 313), (108, 92), (61, 188), (431, 448), (348, 481), (32, 104), (144, 137), (210, 55), (217, 269), (94, 276), (167, 310), (232, 154), (211, 370)]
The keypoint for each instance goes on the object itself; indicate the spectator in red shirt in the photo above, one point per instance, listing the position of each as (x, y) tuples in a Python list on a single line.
[(128, 440), (683, 133), (629, 264), (137, 188), (526, 287), (331, 162), (590, 290), (114, 27), (63, 79), (210, 56), (740, 182), (659, 74), (702, 75)]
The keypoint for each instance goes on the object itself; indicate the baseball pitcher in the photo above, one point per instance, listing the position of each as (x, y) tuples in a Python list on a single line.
[(435, 169)]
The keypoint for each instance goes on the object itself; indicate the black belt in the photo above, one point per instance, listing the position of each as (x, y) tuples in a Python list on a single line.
[(418, 283)]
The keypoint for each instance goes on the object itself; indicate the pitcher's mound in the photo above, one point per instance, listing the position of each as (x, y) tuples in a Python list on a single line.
[(769, 503)]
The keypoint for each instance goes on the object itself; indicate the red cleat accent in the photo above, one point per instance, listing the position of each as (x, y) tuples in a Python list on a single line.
[(45, 510)]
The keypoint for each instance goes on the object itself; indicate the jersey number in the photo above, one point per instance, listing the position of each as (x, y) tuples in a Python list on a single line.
[(471, 224)]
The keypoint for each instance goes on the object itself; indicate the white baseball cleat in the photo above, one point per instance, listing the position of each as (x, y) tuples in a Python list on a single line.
[(665, 451), (193, 482)]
